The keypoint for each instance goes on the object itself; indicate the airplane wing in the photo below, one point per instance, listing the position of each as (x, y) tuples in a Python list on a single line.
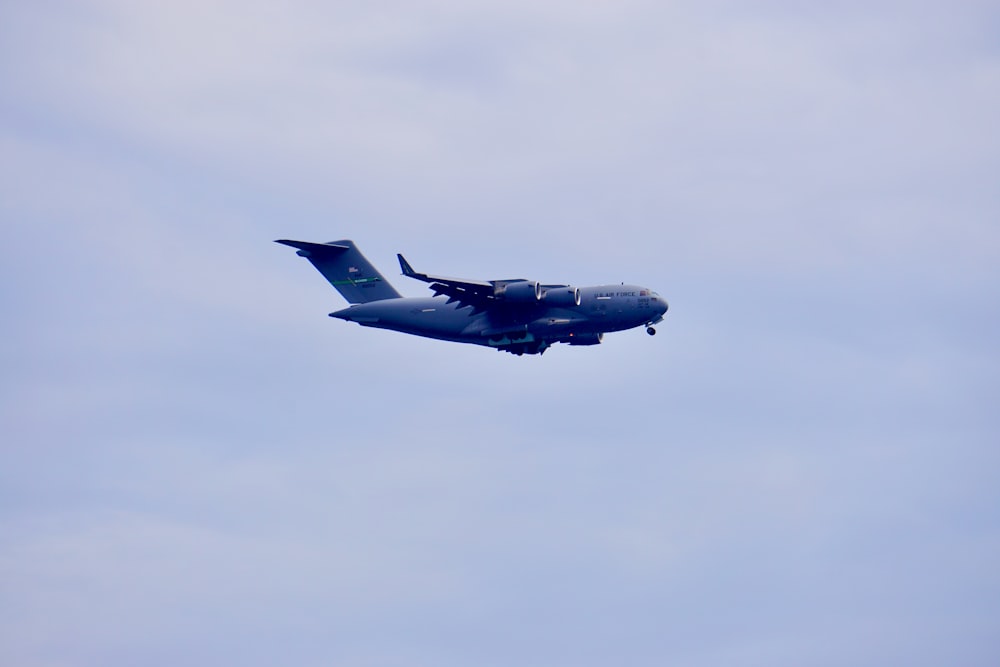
[(475, 293), (481, 295)]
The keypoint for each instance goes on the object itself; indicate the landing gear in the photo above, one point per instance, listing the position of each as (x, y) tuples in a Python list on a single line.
[(651, 331)]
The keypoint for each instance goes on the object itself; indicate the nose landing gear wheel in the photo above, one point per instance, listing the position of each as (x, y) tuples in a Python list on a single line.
[(651, 331)]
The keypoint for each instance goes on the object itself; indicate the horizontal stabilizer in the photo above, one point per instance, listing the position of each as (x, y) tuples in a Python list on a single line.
[(306, 248)]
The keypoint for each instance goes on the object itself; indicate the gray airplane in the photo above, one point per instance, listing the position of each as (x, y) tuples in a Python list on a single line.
[(517, 316)]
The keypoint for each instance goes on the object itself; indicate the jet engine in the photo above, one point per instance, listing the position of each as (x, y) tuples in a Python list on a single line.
[(521, 291), (584, 339), (563, 295)]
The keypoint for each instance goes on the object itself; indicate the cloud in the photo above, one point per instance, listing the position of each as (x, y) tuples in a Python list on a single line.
[(199, 464)]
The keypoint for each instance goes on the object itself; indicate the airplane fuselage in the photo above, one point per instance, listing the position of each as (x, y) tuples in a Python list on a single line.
[(602, 309)]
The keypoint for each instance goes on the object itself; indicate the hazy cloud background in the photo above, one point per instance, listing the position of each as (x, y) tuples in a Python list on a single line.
[(199, 466)]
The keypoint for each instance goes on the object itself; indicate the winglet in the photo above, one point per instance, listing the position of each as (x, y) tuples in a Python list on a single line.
[(405, 266)]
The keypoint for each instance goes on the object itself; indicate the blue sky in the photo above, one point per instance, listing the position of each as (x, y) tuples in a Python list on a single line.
[(200, 466)]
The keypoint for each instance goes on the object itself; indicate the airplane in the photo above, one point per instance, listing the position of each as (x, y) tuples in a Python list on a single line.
[(517, 316)]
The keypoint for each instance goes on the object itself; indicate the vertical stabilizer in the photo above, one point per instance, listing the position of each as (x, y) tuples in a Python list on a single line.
[(343, 265)]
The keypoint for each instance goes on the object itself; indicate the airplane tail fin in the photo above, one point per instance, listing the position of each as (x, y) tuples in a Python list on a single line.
[(343, 265)]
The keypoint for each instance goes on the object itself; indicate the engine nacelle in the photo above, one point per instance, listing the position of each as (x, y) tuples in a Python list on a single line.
[(584, 339), (522, 291), (562, 296)]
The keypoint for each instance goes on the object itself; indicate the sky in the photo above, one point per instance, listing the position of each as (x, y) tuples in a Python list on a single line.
[(198, 466)]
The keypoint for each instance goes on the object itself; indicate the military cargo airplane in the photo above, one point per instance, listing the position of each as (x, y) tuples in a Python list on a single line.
[(517, 316)]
